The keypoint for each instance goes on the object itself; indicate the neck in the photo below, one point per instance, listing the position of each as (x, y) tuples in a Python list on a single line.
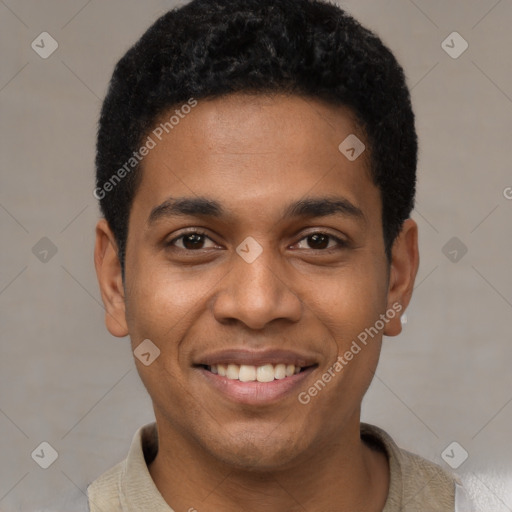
[(341, 474)]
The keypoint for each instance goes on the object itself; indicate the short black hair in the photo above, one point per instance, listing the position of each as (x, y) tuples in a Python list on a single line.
[(213, 48)]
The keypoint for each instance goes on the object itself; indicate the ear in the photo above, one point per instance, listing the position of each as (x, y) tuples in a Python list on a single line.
[(110, 279), (403, 270)]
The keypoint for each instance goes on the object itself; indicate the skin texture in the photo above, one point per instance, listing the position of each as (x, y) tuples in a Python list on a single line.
[(254, 155)]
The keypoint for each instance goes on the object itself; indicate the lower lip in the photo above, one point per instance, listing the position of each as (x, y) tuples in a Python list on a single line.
[(254, 393)]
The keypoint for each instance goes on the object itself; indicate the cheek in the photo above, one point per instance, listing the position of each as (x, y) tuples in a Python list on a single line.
[(347, 309), (164, 305), (358, 301), (161, 307), (351, 301), (162, 300)]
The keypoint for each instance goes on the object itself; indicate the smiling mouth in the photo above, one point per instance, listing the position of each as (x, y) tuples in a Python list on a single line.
[(250, 373)]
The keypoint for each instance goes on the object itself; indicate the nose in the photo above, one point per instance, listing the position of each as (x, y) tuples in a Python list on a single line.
[(257, 293)]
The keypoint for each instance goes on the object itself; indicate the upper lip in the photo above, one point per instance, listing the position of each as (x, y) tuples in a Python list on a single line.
[(256, 358)]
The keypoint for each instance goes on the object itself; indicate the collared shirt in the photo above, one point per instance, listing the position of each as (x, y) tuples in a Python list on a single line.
[(416, 484)]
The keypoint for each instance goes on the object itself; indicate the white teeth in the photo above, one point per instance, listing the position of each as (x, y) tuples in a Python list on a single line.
[(280, 371), (233, 371), (265, 373), (249, 373)]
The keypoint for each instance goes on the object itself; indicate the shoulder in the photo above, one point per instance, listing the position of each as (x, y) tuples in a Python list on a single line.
[(103, 493), (426, 482), (416, 484), (121, 485)]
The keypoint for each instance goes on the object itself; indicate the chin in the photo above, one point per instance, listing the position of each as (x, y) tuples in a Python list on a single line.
[(257, 451)]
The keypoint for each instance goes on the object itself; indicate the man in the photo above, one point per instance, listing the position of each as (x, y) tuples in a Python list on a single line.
[(256, 169)]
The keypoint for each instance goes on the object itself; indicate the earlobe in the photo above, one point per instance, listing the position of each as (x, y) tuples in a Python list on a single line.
[(108, 272), (404, 267)]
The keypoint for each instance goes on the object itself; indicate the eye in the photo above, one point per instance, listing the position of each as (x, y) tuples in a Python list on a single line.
[(320, 241), (191, 240), (195, 240)]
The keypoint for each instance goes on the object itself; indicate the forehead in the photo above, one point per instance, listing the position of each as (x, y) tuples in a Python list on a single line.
[(253, 151), (244, 123)]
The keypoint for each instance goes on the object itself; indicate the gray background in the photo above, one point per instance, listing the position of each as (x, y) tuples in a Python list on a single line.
[(65, 380)]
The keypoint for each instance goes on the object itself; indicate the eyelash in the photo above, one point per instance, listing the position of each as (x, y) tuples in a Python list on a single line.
[(342, 244)]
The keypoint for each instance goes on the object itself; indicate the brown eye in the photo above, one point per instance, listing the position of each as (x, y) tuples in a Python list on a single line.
[(193, 240), (320, 241)]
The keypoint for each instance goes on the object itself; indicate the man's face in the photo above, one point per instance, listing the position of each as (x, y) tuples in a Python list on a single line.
[(261, 284)]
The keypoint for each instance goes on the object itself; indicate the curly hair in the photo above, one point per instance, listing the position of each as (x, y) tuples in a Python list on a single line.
[(212, 48)]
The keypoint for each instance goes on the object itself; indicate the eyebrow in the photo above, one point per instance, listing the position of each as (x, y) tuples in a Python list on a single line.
[(305, 208)]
